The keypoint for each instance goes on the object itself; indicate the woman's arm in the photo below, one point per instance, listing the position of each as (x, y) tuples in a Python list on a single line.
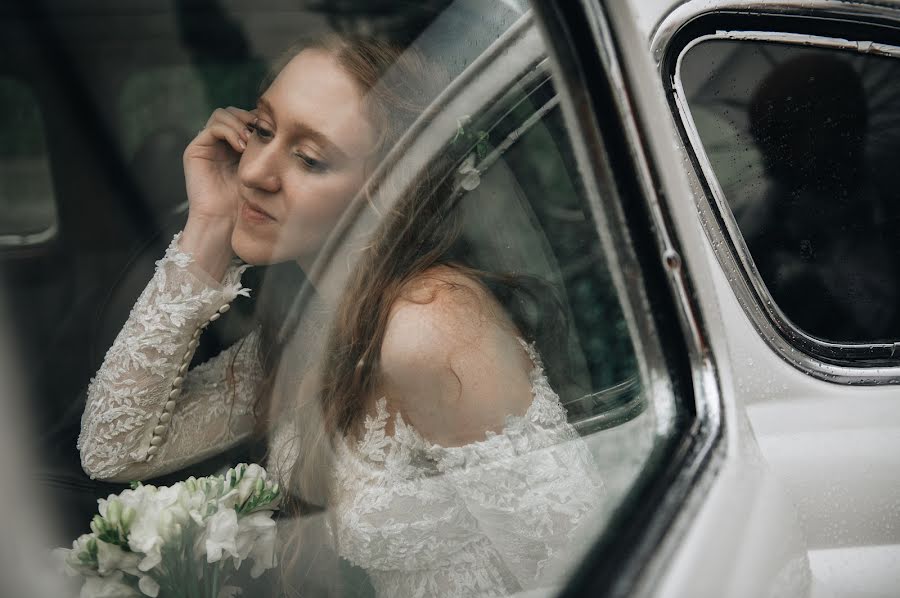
[(146, 415)]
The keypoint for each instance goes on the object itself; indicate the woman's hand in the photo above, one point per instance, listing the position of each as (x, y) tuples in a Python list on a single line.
[(210, 174)]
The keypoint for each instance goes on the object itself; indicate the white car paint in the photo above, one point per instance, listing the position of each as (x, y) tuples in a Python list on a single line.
[(811, 470)]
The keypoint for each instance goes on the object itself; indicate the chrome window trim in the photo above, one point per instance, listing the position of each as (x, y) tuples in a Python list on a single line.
[(20, 241), (683, 12), (810, 355)]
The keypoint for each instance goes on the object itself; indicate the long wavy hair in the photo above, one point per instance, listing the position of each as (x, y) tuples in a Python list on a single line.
[(420, 232)]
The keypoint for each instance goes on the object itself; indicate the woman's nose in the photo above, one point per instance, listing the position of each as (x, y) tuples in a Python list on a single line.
[(258, 168)]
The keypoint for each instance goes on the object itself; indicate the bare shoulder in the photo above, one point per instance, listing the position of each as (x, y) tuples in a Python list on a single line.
[(439, 311), (451, 360)]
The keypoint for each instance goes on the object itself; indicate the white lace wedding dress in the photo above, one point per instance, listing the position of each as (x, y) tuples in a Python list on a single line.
[(494, 517)]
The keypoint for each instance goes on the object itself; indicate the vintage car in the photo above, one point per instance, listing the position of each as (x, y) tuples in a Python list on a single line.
[(710, 185)]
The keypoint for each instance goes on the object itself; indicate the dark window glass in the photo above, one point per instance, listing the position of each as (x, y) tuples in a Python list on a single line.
[(803, 143), (27, 201)]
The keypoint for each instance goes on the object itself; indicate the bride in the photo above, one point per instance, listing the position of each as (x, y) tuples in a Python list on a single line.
[(424, 427)]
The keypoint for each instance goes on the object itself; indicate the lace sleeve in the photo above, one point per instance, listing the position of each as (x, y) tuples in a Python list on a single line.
[(146, 415), (533, 489)]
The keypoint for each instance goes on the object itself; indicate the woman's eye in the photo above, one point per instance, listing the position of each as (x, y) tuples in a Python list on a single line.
[(260, 131), (311, 163)]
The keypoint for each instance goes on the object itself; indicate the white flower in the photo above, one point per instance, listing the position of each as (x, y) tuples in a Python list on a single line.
[(145, 533), (78, 560), (59, 557), (223, 516), (148, 586), (111, 558), (248, 483), (134, 498), (220, 535), (256, 540), (112, 586), (471, 175), (195, 501), (171, 524)]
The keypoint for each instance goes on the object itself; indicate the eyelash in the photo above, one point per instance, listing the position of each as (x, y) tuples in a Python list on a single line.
[(309, 163), (261, 132)]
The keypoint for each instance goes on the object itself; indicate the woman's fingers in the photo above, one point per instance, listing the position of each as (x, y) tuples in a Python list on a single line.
[(228, 125), (219, 131), (245, 116), (234, 118), (235, 137)]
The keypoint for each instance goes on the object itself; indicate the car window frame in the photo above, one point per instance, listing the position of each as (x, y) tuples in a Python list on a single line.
[(842, 363), (613, 150)]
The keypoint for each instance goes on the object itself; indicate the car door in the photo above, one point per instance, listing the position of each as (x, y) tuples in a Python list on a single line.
[(563, 170), (802, 247)]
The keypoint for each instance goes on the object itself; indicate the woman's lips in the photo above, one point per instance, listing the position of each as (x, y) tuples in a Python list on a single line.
[(253, 214)]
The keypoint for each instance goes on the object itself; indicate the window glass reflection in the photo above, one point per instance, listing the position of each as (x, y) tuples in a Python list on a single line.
[(366, 266), (801, 141)]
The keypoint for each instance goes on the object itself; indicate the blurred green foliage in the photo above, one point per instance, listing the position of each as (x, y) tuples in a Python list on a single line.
[(546, 171), (182, 97)]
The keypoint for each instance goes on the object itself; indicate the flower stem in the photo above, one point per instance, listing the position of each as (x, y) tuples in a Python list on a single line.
[(215, 581)]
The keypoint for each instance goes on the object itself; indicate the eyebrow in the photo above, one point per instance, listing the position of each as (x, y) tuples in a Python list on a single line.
[(307, 131)]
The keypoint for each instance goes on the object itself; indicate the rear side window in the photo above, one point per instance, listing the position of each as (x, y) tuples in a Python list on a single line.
[(802, 142), (27, 200)]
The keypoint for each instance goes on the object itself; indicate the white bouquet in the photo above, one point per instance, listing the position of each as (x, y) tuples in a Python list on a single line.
[(178, 540)]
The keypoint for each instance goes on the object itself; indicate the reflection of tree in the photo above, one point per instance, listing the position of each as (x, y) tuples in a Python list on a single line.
[(545, 168)]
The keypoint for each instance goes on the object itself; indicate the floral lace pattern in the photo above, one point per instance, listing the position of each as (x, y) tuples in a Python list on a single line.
[(489, 518), (127, 396)]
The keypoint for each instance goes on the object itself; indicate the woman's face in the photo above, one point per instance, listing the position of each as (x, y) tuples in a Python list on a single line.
[(306, 159)]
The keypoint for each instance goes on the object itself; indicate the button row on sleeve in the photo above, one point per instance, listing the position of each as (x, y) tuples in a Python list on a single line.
[(162, 426)]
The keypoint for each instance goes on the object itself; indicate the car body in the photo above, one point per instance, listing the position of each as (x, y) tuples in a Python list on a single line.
[(743, 455)]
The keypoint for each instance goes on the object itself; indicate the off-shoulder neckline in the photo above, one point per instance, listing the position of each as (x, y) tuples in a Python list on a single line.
[(377, 447)]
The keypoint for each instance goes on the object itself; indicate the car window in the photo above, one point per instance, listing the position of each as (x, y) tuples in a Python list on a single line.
[(800, 141), (521, 214), (26, 186), (500, 489), (528, 214)]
